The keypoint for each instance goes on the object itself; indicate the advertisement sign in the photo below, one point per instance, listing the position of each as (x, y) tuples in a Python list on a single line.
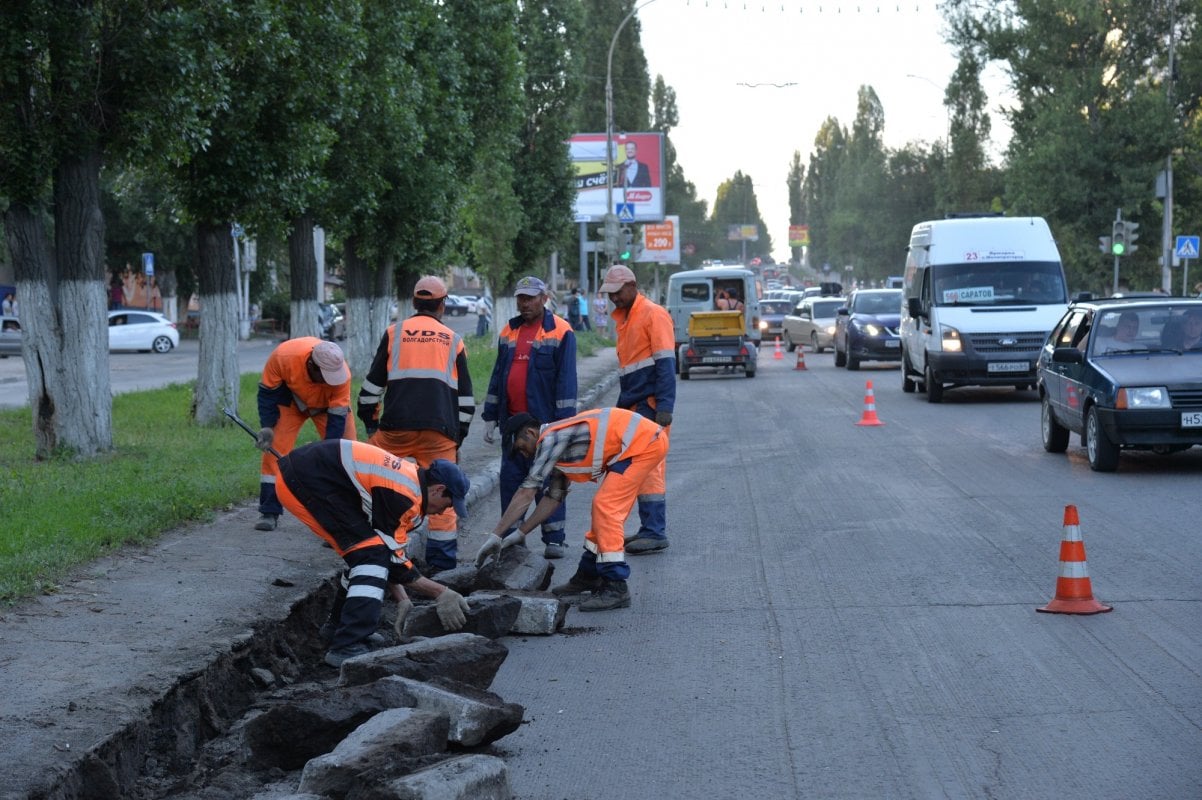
[(661, 242), (637, 185), (799, 236), (742, 233)]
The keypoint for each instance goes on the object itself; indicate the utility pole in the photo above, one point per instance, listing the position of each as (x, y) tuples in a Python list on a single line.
[(1166, 245)]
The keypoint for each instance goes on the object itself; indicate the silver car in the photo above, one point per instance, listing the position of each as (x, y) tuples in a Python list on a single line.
[(10, 336), (812, 322)]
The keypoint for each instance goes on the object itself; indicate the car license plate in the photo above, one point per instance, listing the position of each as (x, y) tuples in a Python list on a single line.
[(1007, 366), (892, 344), (1191, 419), (714, 360)]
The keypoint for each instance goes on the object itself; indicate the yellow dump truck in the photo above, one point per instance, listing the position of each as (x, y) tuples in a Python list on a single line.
[(717, 339)]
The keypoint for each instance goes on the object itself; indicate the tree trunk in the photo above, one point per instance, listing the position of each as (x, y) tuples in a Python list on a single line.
[(217, 376), (64, 304), (359, 345), (304, 278)]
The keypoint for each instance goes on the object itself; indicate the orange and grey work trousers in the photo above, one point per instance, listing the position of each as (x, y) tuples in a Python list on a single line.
[(286, 429), (621, 486), (442, 543), (653, 498)]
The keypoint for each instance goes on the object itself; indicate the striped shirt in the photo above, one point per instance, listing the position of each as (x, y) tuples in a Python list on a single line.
[(565, 444)]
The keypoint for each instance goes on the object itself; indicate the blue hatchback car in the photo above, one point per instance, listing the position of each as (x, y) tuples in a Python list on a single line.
[(866, 328), (1126, 374)]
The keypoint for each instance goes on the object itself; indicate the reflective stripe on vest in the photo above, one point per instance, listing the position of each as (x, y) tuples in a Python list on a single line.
[(618, 431), (406, 360)]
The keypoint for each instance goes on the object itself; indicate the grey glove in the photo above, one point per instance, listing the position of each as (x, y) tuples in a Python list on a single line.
[(663, 418), (490, 432), (264, 439), (492, 547), (403, 608), (452, 609)]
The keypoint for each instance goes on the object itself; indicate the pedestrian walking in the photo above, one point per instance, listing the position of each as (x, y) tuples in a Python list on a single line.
[(615, 448), (484, 313), (303, 379), (574, 309), (420, 378), (647, 386), (364, 501), (581, 298), (535, 373)]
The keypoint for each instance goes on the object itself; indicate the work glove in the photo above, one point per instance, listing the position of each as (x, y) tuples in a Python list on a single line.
[(490, 432), (403, 607), (663, 418), (452, 609), (494, 545), (264, 439)]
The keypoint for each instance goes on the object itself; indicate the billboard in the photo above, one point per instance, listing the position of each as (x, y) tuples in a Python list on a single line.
[(661, 241), (637, 186)]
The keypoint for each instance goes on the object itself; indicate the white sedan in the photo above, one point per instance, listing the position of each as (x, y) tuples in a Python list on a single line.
[(130, 329)]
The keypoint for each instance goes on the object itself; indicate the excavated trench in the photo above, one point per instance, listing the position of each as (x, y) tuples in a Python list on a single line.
[(190, 746)]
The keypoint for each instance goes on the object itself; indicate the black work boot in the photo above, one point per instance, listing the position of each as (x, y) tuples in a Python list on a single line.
[(577, 584), (613, 594)]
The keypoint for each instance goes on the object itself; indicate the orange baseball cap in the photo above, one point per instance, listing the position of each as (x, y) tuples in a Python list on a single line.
[(430, 288)]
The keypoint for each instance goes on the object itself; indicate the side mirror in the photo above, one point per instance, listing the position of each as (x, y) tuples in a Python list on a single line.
[(844, 311), (914, 306), (1067, 355)]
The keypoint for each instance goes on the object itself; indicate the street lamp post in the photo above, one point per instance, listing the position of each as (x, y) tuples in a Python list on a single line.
[(609, 112)]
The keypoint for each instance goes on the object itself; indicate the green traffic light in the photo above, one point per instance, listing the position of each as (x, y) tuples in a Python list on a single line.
[(1118, 248)]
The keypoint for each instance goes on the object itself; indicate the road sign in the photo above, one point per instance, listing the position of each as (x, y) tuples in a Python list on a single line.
[(148, 263), (626, 212), (1186, 247)]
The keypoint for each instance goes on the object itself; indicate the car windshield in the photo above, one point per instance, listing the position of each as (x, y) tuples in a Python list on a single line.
[(877, 303), (826, 308), (1163, 328), (775, 307), (998, 283)]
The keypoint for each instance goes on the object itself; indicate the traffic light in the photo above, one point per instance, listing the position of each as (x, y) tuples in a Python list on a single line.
[(626, 249), (1104, 244), (1118, 238), (613, 237), (1130, 228)]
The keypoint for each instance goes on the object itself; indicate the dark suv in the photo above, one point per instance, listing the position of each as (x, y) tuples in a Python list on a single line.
[(1126, 374)]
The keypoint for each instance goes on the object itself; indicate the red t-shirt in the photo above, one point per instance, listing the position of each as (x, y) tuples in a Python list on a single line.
[(515, 388)]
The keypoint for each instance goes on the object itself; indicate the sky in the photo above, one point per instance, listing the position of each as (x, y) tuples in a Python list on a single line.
[(754, 81)]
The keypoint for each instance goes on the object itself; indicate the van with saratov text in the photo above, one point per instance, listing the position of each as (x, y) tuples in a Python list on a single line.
[(981, 295)]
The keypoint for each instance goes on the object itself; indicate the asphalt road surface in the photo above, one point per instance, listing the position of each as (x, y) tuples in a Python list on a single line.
[(849, 611)]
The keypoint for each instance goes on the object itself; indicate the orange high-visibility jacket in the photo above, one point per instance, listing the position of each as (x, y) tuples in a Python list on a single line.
[(285, 381), (615, 434), (423, 366), (646, 357)]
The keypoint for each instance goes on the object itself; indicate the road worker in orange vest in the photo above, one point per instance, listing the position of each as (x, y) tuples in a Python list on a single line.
[(420, 372), (364, 501), (647, 383), (618, 449), (304, 378)]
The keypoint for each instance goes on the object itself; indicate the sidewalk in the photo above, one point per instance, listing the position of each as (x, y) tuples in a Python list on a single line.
[(88, 669)]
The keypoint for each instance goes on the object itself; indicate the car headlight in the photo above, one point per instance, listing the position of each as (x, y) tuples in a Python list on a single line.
[(872, 330), (951, 339), (1143, 397), (763, 324), (830, 330)]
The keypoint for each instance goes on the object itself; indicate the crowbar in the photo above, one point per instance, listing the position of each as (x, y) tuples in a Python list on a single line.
[(253, 434)]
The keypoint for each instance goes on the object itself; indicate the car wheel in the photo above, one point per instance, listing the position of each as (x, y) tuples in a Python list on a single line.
[(789, 345), (1103, 454), (853, 363), (684, 373), (1055, 435), (840, 357), (908, 384), (750, 372), (162, 344), (814, 343), (934, 386)]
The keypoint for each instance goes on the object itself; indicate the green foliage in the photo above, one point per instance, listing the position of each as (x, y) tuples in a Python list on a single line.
[(736, 205)]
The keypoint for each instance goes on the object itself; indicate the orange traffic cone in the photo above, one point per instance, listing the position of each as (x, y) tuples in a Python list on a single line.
[(801, 358), (776, 353), (1074, 593), (869, 417)]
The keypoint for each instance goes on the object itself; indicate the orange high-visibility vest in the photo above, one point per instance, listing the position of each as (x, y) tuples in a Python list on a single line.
[(286, 366), (615, 434)]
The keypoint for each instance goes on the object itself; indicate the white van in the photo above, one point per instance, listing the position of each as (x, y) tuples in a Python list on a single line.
[(697, 290), (981, 295)]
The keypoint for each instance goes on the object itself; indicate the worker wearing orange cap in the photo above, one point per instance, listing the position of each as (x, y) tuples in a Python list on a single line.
[(647, 383), (417, 400), (304, 378)]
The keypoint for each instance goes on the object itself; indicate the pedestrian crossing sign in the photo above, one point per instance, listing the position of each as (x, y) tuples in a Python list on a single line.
[(1186, 247)]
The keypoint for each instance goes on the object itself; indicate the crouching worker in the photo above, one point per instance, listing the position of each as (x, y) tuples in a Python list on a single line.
[(364, 501), (616, 448)]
